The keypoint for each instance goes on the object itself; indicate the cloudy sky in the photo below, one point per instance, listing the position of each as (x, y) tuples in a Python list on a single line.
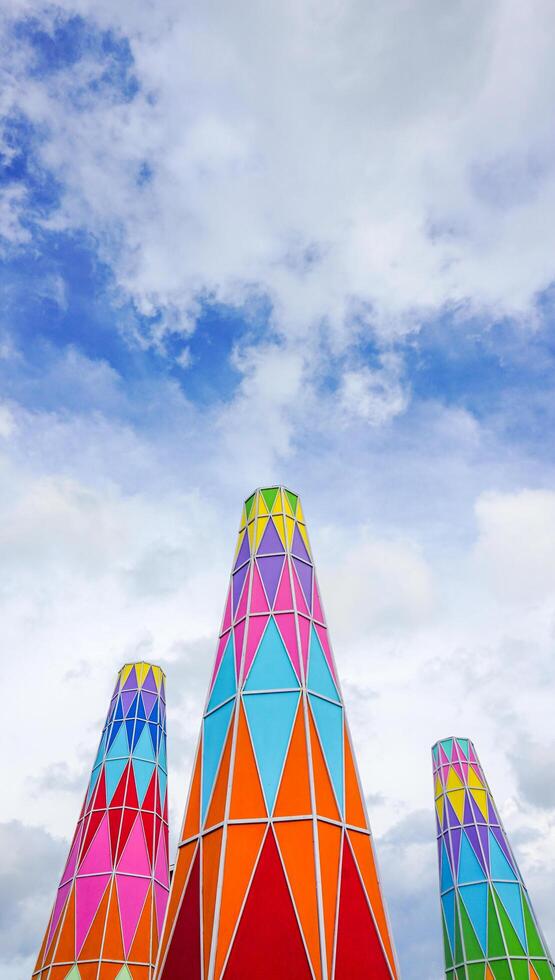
[(305, 241)]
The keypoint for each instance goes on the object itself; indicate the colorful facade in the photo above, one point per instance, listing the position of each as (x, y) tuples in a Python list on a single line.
[(113, 892), (490, 931), (275, 874)]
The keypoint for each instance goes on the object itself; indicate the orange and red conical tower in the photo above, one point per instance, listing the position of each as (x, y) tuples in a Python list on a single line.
[(275, 874), (112, 895)]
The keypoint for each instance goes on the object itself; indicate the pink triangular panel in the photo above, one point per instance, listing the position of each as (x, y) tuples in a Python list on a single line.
[(160, 902), (72, 859), (286, 624), (227, 614), (242, 609), (458, 769), (284, 599), (239, 632), (317, 613), (161, 866), (131, 896), (259, 603), (299, 596), (134, 859), (63, 892), (443, 757), (99, 857), (304, 630), (472, 754), (88, 895), (323, 637), (257, 625), (222, 643)]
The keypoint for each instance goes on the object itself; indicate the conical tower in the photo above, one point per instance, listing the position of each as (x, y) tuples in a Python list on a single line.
[(275, 874), (113, 892), (490, 931)]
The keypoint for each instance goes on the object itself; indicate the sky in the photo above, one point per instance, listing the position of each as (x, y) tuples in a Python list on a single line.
[(299, 242)]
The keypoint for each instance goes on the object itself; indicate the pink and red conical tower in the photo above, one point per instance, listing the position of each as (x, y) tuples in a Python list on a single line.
[(112, 896), (275, 874)]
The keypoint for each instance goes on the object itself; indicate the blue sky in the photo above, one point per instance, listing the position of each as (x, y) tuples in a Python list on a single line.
[(297, 243)]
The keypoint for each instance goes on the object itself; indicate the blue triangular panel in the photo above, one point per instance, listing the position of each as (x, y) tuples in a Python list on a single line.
[(448, 903), (499, 866), (270, 718), (143, 774), (475, 898), (215, 728), (100, 752), (94, 779), (224, 686), (113, 732), (319, 674), (272, 667), (329, 722), (162, 760), (154, 712), (130, 727), (469, 866), (153, 729), (119, 710), (162, 783), (143, 748), (446, 876), (119, 746), (139, 726), (141, 713), (113, 776), (509, 893)]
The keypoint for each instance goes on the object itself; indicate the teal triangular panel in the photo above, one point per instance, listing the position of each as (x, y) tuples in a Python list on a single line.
[(319, 674), (447, 746), (270, 718), (499, 866), (448, 904), (162, 759), (463, 745), (119, 746), (143, 774), (475, 898), (469, 866), (446, 876), (215, 728), (329, 722), (272, 667), (224, 685), (113, 775), (162, 783), (100, 753), (143, 748), (509, 893)]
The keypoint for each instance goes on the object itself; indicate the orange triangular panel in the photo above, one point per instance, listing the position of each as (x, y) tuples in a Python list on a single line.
[(140, 947), (242, 849), (325, 799), (191, 824), (362, 848), (354, 809), (216, 810), (92, 946), (294, 792), (296, 843), (88, 971), (113, 942), (65, 951), (109, 971), (211, 847), (247, 800), (329, 843)]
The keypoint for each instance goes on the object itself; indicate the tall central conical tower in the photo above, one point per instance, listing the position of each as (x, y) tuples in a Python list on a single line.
[(275, 874)]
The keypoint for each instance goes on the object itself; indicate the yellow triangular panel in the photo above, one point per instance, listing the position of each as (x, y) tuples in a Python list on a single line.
[(438, 787), (290, 528), (304, 536), (280, 525), (440, 806), (262, 509), (481, 799), (300, 515), (157, 676), (260, 528), (456, 798), (474, 779), (250, 530), (454, 781)]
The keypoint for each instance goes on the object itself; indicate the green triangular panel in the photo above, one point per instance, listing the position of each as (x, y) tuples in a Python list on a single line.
[(514, 946), (459, 952), (520, 969), (292, 498), (73, 973), (446, 947), (543, 969), (472, 947), (501, 970), (124, 974), (248, 505), (495, 939), (270, 495), (535, 945), (476, 971)]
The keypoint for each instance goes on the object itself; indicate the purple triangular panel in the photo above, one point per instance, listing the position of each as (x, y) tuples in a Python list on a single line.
[(149, 700), (127, 699), (270, 571), (468, 818), (445, 820), (483, 835), (238, 582), (150, 682), (304, 572), (453, 818), (478, 815), (472, 835), (244, 551), (299, 548), (131, 682), (271, 541), (493, 817)]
